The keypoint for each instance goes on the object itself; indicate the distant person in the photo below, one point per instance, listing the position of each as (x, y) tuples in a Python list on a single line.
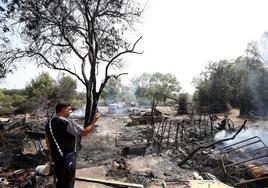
[(226, 122), (61, 136)]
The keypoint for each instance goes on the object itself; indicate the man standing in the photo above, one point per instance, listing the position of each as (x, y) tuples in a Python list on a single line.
[(61, 137)]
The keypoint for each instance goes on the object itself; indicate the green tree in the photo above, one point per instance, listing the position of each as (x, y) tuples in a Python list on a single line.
[(90, 33), (213, 86), (147, 85), (21, 92), (112, 91), (239, 83), (5, 99), (17, 100), (66, 88), (127, 95), (5, 104), (251, 81), (10, 101), (166, 84), (40, 91), (183, 103)]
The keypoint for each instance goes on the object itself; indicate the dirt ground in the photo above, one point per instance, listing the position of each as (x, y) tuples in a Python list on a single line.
[(103, 148), (101, 156)]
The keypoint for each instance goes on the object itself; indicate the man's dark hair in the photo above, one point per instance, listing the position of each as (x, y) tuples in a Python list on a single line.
[(61, 105)]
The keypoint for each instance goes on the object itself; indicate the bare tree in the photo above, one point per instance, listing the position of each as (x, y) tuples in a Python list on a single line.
[(62, 34)]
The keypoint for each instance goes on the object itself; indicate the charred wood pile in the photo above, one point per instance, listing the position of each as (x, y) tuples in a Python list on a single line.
[(146, 117), (249, 155), (22, 149)]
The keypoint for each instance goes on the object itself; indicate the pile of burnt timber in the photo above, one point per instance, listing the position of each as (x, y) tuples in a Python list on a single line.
[(187, 135), (22, 149), (146, 118), (248, 155), (212, 144)]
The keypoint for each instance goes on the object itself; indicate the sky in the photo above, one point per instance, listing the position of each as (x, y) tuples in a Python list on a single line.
[(181, 37)]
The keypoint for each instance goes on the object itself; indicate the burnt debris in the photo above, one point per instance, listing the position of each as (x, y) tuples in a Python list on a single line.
[(22, 149)]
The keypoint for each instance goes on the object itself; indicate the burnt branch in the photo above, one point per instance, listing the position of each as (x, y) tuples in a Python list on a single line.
[(117, 76), (120, 54), (12, 56), (53, 66)]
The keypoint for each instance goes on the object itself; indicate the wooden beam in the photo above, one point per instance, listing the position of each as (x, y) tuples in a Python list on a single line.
[(80, 178)]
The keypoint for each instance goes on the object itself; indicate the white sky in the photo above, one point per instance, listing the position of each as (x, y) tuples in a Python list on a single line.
[(180, 37)]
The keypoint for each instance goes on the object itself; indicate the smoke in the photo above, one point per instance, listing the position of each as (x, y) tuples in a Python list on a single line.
[(261, 132), (79, 113), (254, 83), (263, 47), (248, 150), (222, 135)]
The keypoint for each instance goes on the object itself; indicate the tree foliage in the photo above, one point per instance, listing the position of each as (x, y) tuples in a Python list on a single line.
[(21, 92), (213, 86), (63, 34), (42, 86), (66, 88), (252, 93), (149, 84), (40, 91), (43, 92), (183, 103), (112, 91), (115, 91), (10, 102), (4, 99), (239, 83)]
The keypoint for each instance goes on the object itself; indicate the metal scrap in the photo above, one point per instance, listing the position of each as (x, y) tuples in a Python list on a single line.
[(212, 144), (249, 155)]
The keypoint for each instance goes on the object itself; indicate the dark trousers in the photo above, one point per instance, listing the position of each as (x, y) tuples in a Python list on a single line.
[(65, 177)]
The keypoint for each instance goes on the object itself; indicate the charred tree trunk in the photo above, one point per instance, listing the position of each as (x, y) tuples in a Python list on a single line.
[(92, 97), (91, 107), (88, 108), (88, 103)]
